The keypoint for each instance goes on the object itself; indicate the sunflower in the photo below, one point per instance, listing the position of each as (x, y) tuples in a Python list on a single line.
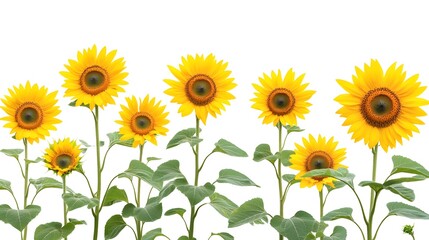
[(95, 78), (381, 108), (203, 85), (31, 112), (142, 120), (317, 154), (62, 156), (282, 99)]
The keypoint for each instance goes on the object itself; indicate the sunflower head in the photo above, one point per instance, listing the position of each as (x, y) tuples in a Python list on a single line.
[(31, 112), (282, 99), (381, 107), (142, 120), (317, 154), (202, 84), (94, 78), (62, 156)]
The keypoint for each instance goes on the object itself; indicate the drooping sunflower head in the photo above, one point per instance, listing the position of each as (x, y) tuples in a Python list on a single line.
[(317, 154), (94, 78), (142, 120), (31, 112), (282, 99), (381, 107), (202, 84), (62, 156)]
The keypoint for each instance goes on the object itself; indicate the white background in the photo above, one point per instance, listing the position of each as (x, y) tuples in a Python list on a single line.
[(324, 39)]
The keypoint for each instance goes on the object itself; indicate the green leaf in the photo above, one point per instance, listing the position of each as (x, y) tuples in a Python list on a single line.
[(297, 227), (149, 159), (77, 200), (46, 182), (149, 213), (374, 185), (12, 152), (284, 157), (114, 195), (229, 148), (291, 129), (168, 170), (406, 165), (142, 171), (406, 193), (115, 138), (73, 104), (85, 144), (184, 136), (128, 210), (222, 204), (415, 178), (196, 194), (289, 178), (339, 233), (173, 211), (152, 234), (251, 212), (223, 235), (345, 213), (236, 178), (5, 185), (114, 226), (19, 219), (337, 185), (341, 174), (263, 152), (404, 210), (49, 231), (35, 161), (70, 226)]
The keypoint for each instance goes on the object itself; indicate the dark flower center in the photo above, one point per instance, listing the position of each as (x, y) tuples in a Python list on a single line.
[(281, 101), (63, 161), (318, 160), (29, 116), (94, 80), (380, 107), (200, 90), (142, 123)]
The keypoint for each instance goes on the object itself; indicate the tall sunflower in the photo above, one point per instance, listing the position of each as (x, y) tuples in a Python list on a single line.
[(31, 112), (142, 120), (317, 154), (202, 84), (381, 108), (62, 156), (282, 99), (95, 78)]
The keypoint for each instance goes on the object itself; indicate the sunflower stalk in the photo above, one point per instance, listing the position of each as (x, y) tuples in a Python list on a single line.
[(64, 202), (279, 174), (139, 224), (374, 195), (321, 205), (27, 166), (197, 170), (98, 193)]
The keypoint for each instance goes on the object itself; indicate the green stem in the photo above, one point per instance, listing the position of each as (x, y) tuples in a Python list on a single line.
[(139, 182), (381, 223), (98, 193), (373, 194), (27, 166), (196, 152), (64, 202), (321, 203), (279, 175)]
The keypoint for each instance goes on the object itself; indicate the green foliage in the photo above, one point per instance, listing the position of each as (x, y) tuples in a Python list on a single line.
[(114, 195), (152, 234), (251, 212), (404, 210), (374, 185), (341, 174), (297, 227), (12, 152), (415, 178), (114, 226), (149, 213), (229, 148), (291, 129), (234, 177), (115, 138), (399, 189), (167, 171), (290, 178), (196, 194), (184, 136), (339, 233), (223, 235), (19, 219), (77, 200), (263, 152), (222, 204), (142, 171), (345, 213), (5, 185), (284, 157), (46, 182), (173, 211), (406, 165)]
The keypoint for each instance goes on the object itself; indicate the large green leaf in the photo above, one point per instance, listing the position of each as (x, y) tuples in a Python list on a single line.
[(167, 171), (173, 211), (5, 185), (70, 226), (77, 200), (341, 174), (406, 165), (229, 148), (345, 213), (196, 194), (251, 212), (415, 178), (149, 213), (115, 195), (284, 157), (115, 138), (290, 178), (114, 226), (406, 193), (263, 152), (49, 231), (223, 235), (12, 152), (234, 177), (339, 233), (222, 204), (152, 234), (19, 219), (373, 185), (184, 136), (297, 227), (47, 182), (128, 210), (143, 172), (404, 210)]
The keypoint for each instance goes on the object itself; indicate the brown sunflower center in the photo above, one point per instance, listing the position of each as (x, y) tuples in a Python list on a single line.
[(380, 107), (200, 89), (281, 101), (63, 161), (29, 116), (142, 123), (94, 80), (318, 160)]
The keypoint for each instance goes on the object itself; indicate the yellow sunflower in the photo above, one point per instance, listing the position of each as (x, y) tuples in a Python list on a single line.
[(317, 154), (203, 85), (95, 78), (282, 99), (31, 112), (62, 156), (381, 108), (142, 120)]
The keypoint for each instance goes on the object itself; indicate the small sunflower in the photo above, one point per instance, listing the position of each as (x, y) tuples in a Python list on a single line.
[(317, 154), (62, 156), (95, 78), (142, 120), (203, 85), (31, 112), (381, 108), (282, 99)]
